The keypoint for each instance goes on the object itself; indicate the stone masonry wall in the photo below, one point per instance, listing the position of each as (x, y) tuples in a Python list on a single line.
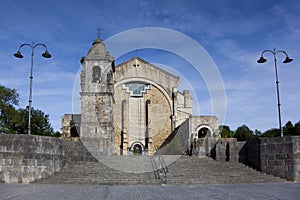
[(296, 158), (252, 153), (281, 157), (278, 156), (26, 158), (159, 118), (228, 149)]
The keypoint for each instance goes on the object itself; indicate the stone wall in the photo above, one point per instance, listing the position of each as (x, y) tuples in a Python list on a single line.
[(26, 158), (281, 157), (202, 145), (182, 105), (159, 117), (134, 122), (228, 149), (278, 156), (70, 125), (252, 153), (208, 121)]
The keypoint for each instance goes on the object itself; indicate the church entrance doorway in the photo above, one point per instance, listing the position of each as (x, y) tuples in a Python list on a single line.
[(137, 149)]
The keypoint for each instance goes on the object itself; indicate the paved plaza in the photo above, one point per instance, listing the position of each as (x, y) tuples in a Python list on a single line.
[(264, 191)]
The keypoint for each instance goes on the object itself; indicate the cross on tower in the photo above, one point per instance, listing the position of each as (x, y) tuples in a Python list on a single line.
[(99, 31)]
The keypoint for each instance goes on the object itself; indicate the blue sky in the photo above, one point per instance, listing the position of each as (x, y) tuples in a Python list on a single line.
[(233, 33)]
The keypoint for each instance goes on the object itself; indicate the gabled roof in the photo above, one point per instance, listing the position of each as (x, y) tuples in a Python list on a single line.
[(148, 63), (139, 68)]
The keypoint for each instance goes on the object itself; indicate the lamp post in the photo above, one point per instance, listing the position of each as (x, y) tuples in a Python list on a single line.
[(46, 54), (287, 60)]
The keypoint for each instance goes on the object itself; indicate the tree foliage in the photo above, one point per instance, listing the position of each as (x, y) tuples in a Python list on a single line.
[(243, 133), (257, 132), (273, 132), (15, 121), (288, 130), (225, 131), (8, 97), (9, 116), (297, 128), (40, 123)]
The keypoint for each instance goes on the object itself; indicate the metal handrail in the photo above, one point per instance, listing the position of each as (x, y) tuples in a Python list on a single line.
[(164, 166), (160, 169), (154, 167)]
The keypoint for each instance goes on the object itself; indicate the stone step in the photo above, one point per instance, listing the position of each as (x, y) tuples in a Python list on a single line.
[(216, 172), (138, 170), (99, 173)]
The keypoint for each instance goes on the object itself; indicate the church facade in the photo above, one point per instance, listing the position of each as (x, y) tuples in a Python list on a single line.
[(134, 108)]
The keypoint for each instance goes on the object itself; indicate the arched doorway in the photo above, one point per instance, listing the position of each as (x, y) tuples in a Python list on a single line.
[(203, 132), (203, 141), (137, 149)]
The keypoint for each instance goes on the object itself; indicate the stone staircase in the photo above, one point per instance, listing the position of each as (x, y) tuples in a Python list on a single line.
[(110, 170), (132, 170), (195, 170)]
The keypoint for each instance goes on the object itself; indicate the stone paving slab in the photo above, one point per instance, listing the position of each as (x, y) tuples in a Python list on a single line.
[(289, 191)]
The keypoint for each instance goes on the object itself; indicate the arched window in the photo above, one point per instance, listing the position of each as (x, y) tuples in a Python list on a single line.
[(96, 74)]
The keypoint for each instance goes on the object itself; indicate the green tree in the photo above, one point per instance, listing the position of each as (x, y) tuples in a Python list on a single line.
[(288, 129), (243, 133), (9, 120), (56, 134), (9, 117), (8, 96), (40, 123), (297, 128), (257, 132), (273, 132), (15, 121), (225, 131)]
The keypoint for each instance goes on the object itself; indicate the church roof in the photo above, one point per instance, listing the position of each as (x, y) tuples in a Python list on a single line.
[(137, 68), (98, 50), (148, 63)]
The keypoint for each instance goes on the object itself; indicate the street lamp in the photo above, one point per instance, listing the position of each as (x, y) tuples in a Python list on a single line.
[(46, 54), (287, 60)]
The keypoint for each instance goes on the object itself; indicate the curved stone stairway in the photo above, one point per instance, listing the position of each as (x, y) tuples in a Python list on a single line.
[(139, 170)]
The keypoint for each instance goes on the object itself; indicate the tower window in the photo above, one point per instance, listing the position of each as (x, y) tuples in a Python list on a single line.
[(96, 74)]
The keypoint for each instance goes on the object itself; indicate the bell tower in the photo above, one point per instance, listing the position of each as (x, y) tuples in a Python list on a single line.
[(97, 92)]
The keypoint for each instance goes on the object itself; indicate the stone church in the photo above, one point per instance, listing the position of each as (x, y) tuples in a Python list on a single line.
[(135, 108)]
